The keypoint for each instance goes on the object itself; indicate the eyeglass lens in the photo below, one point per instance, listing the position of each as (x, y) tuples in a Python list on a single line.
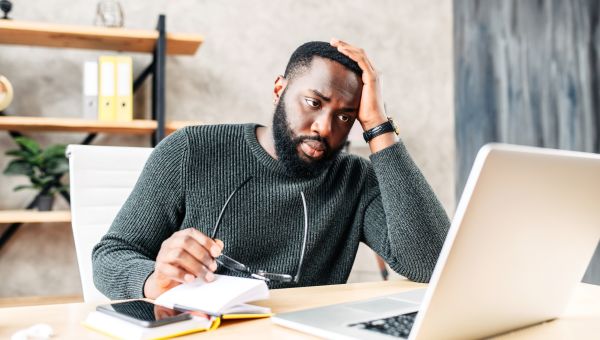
[(230, 263)]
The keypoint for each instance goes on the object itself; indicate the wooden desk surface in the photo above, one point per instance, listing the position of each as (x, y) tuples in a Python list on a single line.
[(581, 321)]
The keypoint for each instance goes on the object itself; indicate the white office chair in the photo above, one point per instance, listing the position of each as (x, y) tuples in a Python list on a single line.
[(101, 179)]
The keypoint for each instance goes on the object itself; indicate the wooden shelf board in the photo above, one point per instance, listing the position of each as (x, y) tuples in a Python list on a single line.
[(18, 123), (175, 125), (34, 216), (136, 126), (92, 37)]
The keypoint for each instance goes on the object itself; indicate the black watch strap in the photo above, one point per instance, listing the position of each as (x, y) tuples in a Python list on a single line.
[(378, 130)]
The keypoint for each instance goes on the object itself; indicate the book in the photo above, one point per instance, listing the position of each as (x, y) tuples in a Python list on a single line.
[(90, 90), (124, 89), (225, 297), (208, 303), (106, 88), (122, 329)]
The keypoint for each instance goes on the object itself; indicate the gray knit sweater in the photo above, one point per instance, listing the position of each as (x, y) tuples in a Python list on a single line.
[(385, 203)]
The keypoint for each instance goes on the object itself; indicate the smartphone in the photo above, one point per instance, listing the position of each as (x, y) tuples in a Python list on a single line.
[(144, 313)]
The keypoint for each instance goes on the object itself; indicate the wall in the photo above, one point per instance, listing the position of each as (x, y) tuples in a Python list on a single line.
[(527, 73), (230, 80)]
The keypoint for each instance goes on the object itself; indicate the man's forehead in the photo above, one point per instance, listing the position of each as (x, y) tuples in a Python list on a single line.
[(330, 78)]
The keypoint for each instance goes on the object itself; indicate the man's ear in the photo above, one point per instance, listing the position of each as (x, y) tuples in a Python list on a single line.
[(280, 84)]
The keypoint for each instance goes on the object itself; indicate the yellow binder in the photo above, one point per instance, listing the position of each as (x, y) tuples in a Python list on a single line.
[(106, 87), (124, 93)]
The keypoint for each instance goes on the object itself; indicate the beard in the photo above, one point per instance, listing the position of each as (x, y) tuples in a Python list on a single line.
[(286, 147)]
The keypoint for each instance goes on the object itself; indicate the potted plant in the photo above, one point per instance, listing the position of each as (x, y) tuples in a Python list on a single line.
[(44, 168)]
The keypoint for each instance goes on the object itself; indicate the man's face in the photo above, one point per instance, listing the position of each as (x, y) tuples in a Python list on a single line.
[(314, 115)]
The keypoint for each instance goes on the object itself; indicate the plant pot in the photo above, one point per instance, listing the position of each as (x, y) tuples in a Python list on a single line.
[(44, 202)]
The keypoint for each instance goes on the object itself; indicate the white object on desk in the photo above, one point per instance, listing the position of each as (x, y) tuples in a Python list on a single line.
[(40, 331)]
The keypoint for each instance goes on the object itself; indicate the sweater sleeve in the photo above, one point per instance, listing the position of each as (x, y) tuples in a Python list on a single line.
[(125, 256), (403, 222)]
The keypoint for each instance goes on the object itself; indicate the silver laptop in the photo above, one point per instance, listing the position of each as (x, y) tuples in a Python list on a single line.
[(524, 231)]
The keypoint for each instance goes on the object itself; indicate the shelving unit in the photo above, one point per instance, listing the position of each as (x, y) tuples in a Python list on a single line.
[(157, 42)]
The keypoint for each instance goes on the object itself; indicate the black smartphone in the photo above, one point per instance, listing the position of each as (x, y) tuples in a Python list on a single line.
[(144, 313)]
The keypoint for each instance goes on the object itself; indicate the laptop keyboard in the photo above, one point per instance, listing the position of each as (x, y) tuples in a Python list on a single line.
[(398, 326)]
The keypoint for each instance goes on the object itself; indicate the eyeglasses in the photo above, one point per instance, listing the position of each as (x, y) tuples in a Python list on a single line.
[(260, 274)]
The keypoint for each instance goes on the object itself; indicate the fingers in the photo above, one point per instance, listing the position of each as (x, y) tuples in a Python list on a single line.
[(356, 54), (202, 239), (197, 251), (167, 273), (170, 276), (179, 266), (188, 254), (189, 263)]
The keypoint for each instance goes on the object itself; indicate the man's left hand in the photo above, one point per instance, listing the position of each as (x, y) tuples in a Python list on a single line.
[(371, 112)]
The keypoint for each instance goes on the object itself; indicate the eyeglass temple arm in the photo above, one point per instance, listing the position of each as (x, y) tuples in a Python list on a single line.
[(297, 277), (218, 223)]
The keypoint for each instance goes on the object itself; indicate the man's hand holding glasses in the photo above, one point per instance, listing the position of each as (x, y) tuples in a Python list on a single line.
[(189, 254), (186, 255)]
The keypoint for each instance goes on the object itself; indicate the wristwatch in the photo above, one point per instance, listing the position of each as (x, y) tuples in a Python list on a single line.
[(386, 127)]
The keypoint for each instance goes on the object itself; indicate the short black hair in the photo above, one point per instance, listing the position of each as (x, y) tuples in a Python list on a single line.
[(303, 56)]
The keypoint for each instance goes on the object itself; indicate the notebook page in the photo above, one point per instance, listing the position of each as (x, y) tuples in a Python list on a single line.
[(214, 297)]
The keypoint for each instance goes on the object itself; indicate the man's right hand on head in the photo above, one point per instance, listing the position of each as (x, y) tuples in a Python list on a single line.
[(186, 255)]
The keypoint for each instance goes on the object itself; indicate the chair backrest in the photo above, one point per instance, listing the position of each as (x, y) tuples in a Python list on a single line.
[(101, 179)]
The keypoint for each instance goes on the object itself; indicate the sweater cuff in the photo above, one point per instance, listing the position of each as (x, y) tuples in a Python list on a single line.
[(386, 161), (139, 272)]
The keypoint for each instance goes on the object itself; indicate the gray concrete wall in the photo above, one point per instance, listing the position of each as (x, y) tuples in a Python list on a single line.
[(527, 73), (230, 81)]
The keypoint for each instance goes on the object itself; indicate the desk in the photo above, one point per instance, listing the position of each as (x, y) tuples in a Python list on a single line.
[(581, 321)]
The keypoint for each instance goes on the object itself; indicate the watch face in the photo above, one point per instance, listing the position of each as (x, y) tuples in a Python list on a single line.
[(396, 127)]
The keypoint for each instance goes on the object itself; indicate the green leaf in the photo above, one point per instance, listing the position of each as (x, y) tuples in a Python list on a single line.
[(28, 144), (36, 182), (17, 153), (57, 166), (37, 162), (45, 181), (54, 151), (18, 167), (21, 187)]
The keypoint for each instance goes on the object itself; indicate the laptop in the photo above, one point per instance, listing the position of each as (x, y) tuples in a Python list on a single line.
[(523, 234)]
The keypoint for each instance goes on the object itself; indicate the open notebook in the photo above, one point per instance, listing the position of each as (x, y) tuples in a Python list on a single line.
[(225, 297)]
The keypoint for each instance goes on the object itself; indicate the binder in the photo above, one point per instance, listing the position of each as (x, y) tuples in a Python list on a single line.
[(124, 93), (106, 87), (90, 90)]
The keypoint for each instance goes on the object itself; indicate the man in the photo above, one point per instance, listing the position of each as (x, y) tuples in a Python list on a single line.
[(163, 234)]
